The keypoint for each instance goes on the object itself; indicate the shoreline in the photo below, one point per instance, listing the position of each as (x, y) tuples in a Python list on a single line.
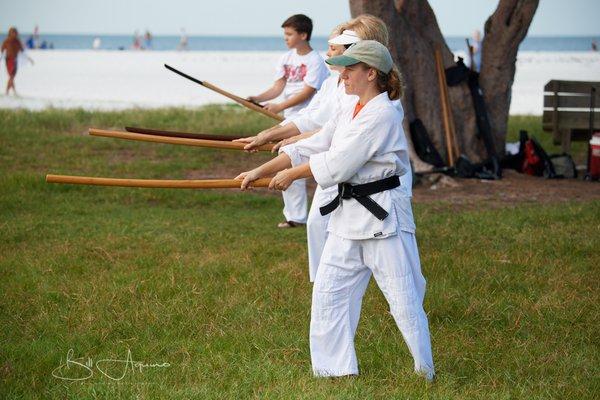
[(116, 80)]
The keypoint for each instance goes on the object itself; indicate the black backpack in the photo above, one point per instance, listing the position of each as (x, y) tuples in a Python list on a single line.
[(564, 166), (423, 146)]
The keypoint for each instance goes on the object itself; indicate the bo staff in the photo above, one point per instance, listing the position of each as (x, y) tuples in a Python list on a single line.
[(451, 147), (246, 103), (216, 144), (188, 135), (156, 183), (471, 58)]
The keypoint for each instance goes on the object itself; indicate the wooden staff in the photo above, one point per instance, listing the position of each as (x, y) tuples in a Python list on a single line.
[(216, 144), (188, 135), (471, 58), (246, 103), (155, 183), (451, 147)]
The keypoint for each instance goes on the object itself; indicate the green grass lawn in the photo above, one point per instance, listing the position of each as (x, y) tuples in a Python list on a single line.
[(203, 281)]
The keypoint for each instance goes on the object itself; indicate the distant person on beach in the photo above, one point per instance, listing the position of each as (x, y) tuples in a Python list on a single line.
[(97, 43), (148, 40), (29, 42), (36, 37), (183, 41), (11, 47), (594, 45), (474, 61), (137, 42), (299, 74)]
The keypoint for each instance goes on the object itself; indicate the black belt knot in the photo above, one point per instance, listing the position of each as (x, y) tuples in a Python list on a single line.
[(346, 191), (361, 193)]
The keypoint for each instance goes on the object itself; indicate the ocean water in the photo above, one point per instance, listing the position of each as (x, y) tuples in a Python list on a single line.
[(275, 43)]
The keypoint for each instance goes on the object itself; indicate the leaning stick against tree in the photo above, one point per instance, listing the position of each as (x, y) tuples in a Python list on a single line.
[(451, 147)]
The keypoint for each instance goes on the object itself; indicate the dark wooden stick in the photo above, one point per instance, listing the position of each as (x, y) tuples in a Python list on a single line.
[(240, 100), (188, 135), (215, 144)]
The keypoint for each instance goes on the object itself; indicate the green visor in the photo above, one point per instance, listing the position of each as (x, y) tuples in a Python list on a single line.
[(342, 61)]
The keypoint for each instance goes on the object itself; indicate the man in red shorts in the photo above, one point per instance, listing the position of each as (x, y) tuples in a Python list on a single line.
[(11, 47)]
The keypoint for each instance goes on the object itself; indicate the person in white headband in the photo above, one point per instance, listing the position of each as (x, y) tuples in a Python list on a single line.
[(347, 37)]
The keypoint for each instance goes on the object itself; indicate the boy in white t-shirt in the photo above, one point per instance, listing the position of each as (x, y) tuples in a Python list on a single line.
[(299, 74)]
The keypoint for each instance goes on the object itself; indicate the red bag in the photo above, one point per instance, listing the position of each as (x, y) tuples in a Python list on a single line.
[(532, 163)]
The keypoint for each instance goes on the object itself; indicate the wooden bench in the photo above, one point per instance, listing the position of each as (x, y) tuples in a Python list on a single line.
[(567, 111)]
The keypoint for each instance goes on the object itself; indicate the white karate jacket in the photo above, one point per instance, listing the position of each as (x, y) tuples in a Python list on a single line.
[(370, 147), (325, 104)]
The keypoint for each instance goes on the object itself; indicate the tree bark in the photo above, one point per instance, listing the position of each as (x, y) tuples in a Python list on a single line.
[(504, 31), (415, 34)]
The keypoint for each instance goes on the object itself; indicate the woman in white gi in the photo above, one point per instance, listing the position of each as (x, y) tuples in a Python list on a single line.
[(363, 151)]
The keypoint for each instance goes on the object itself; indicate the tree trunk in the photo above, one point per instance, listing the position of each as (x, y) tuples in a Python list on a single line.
[(504, 31), (415, 34)]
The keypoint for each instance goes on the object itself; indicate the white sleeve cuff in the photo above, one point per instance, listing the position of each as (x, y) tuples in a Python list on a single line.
[(293, 154), (305, 124), (320, 171)]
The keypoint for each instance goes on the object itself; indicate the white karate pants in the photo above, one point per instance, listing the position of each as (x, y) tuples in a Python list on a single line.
[(342, 278), (316, 228), (294, 202), (316, 225)]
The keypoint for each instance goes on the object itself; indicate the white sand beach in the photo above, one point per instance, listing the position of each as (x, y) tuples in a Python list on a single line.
[(111, 80)]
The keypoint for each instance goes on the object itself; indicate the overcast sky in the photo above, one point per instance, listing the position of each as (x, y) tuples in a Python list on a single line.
[(264, 17)]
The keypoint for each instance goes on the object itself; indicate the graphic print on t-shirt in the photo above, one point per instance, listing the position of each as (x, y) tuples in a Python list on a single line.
[(294, 73)]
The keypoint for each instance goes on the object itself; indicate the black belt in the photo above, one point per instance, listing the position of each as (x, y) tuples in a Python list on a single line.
[(361, 193)]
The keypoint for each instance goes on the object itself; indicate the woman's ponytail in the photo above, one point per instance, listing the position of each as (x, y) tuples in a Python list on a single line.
[(392, 83)]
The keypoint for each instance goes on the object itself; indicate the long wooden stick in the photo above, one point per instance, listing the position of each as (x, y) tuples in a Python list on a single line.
[(446, 112), (246, 103), (155, 183), (216, 144), (451, 119), (471, 58), (188, 135), (451, 116)]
